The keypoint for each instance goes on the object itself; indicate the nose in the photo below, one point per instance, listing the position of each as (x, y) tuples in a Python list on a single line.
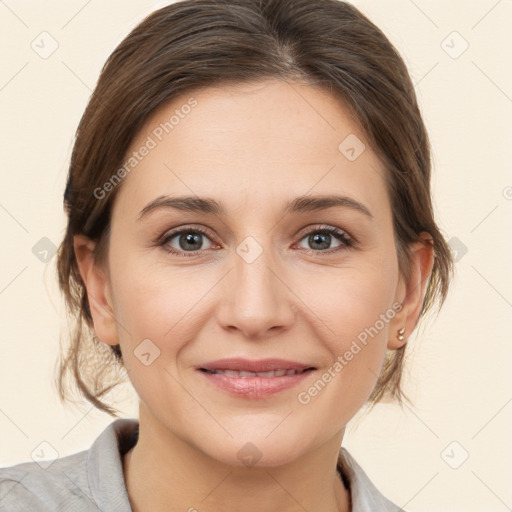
[(257, 301)]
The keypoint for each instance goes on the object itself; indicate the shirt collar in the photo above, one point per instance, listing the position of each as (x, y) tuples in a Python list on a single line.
[(105, 467), (363, 493)]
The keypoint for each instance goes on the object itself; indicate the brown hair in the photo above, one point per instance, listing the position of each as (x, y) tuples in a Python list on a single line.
[(193, 44)]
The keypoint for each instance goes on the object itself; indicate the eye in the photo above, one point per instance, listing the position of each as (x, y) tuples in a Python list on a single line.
[(321, 238), (189, 241)]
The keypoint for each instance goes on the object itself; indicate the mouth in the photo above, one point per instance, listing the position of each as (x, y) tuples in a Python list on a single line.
[(254, 378), (246, 374), (256, 366)]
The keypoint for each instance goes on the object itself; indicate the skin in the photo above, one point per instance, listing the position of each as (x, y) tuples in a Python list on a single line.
[(253, 148)]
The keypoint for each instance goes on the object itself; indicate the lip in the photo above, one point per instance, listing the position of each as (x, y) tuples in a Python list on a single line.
[(251, 365), (256, 387)]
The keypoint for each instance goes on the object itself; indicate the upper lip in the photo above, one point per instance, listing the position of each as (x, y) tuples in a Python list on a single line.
[(260, 365)]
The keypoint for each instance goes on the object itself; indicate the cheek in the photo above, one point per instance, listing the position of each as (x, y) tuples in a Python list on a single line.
[(138, 287), (156, 304), (353, 301), (154, 311), (355, 308)]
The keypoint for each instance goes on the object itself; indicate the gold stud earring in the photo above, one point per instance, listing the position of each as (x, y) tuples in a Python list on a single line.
[(400, 334)]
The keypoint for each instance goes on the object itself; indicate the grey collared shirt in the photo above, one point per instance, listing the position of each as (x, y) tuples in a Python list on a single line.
[(92, 480)]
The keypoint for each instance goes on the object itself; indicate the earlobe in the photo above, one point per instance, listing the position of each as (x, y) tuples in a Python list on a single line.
[(98, 290), (397, 338), (413, 293)]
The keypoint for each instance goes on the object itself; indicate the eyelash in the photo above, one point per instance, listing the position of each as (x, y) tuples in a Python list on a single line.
[(347, 241)]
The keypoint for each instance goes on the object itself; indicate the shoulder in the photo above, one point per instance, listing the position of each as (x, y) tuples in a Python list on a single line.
[(89, 480), (45, 486), (364, 494)]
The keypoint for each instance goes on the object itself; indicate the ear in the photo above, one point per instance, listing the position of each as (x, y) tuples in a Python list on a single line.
[(411, 293), (98, 290)]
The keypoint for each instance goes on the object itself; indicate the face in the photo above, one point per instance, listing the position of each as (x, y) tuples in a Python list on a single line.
[(315, 285)]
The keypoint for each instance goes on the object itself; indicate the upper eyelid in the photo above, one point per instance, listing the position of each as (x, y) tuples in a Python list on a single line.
[(320, 227), (184, 229)]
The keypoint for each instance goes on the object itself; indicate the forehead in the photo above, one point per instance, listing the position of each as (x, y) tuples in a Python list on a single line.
[(267, 141)]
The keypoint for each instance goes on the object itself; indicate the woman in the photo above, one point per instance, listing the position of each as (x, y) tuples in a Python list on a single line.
[(251, 238)]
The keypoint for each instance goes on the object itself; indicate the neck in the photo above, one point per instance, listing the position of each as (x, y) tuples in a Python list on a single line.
[(165, 474)]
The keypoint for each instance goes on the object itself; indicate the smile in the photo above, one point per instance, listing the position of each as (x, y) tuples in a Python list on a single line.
[(254, 384)]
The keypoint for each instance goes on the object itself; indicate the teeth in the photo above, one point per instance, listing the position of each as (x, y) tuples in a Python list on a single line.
[(272, 373)]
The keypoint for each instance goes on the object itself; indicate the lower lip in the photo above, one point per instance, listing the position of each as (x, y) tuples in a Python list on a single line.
[(255, 387)]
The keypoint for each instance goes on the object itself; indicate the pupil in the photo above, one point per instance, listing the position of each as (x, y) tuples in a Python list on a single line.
[(190, 239), (317, 238)]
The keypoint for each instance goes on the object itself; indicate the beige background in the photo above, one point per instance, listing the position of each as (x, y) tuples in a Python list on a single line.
[(459, 368)]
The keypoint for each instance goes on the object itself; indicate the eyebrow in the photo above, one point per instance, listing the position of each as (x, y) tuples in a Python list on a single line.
[(301, 204)]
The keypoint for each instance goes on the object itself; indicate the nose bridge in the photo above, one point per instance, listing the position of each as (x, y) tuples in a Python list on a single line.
[(257, 298)]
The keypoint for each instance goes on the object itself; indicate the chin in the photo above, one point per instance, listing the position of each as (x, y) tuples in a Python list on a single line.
[(259, 451), (251, 456)]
